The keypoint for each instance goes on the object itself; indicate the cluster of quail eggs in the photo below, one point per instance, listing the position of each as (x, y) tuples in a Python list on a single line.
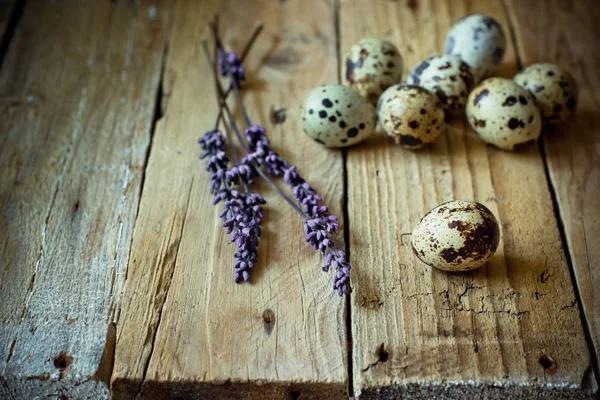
[(459, 235)]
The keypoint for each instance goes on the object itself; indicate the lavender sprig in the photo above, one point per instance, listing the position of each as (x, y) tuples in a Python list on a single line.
[(248, 214), (319, 224), (242, 212)]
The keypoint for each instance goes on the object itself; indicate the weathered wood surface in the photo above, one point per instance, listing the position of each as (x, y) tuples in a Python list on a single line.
[(186, 329), (77, 95), (77, 92), (509, 330), (567, 34)]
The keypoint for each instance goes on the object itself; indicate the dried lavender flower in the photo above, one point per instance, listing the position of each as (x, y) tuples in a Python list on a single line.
[(242, 212), (230, 66)]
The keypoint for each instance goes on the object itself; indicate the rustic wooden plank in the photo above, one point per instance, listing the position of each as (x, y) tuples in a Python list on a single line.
[(77, 93), (509, 330), (566, 34), (186, 329)]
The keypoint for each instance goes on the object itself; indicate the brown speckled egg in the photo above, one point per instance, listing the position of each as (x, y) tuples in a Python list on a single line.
[(554, 89), (479, 41), (503, 113), (337, 116), (459, 235), (410, 115), (448, 77), (372, 65)]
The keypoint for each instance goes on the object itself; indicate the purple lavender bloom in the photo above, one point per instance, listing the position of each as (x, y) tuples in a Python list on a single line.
[(263, 153), (214, 147), (341, 278), (242, 212), (230, 66), (246, 234)]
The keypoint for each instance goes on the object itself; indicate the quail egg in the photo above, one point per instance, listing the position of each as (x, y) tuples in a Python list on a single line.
[(503, 113), (410, 115), (373, 65), (458, 235), (448, 77), (337, 116), (479, 41), (554, 89)]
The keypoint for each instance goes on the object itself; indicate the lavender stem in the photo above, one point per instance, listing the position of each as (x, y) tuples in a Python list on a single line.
[(233, 150), (236, 90), (224, 105)]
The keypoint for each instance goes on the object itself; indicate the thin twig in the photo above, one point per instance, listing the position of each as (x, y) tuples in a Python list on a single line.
[(257, 29), (236, 90)]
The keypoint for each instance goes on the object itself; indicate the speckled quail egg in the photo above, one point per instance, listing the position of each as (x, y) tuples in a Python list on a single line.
[(503, 113), (410, 115), (373, 65), (554, 89), (337, 116), (458, 235), (479, 41), (448, 77)]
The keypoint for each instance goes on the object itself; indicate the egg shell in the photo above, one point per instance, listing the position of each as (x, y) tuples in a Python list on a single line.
[(503, 113), (459, 235), (554, 89), (448, 77), (479, 41), (410, 115), (337, 116), (373, 65)]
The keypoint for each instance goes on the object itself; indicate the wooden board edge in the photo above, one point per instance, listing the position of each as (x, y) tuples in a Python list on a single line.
[(489, 391), (127, 389)]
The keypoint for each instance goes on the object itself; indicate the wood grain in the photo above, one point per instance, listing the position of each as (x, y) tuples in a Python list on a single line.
[(508, 330), (566, 34), (77, 92), (186, 329)]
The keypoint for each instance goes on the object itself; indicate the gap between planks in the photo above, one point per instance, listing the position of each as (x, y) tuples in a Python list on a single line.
[(557, 213), (159, 112), (345, 214)]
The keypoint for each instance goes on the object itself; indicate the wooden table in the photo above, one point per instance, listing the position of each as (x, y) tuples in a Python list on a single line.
[(115, 272)]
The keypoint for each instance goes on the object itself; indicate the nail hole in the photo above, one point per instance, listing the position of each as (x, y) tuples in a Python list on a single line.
[(269, 320), (295, 394), (382, 354), (62, 361), (76, 206), (548, 363), (278, 115)]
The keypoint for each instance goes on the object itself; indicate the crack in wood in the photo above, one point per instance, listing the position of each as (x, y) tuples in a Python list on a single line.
[(38, 261), (167, 289), (557, 213), (114, 300), (382, 357)]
